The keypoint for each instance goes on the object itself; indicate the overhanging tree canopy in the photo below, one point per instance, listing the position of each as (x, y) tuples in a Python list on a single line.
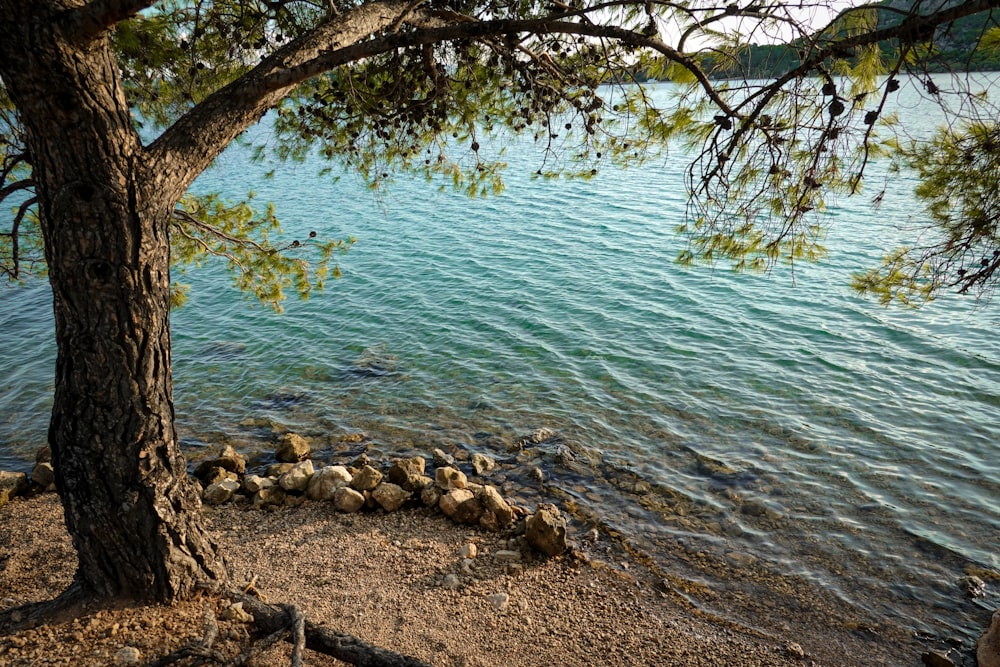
[(111, 108)]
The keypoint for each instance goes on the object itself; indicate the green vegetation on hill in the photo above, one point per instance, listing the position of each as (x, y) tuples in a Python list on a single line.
[(956, 46)]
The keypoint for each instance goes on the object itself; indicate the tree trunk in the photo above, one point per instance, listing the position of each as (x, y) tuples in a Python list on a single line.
[(130, 507)]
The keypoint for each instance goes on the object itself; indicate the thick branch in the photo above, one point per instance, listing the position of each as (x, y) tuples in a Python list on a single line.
[(16, 186), (187, 147), (95, 17)]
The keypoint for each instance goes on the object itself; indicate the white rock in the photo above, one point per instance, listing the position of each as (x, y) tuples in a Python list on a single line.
[(468, 550), (482, 464), (255, 483), (506, 556), (129, 655), (499, 600), (297, 479), (347, 499), (325, 482), (449, 478), (220, 492)]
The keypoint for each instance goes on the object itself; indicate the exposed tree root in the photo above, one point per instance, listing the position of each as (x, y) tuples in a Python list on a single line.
[(284, 622), (69, 604), (346, 648), (273, 623)]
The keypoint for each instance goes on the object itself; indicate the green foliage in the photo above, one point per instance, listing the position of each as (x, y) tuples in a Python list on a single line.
[(959, 178), (206, 227), (774, 132)]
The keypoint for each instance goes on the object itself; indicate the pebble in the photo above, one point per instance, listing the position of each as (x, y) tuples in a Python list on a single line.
[(469, 551), (128, 655), (499, 600), (507, 556)]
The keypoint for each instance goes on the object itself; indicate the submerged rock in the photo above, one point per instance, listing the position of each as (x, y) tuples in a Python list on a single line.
[(483, 464)]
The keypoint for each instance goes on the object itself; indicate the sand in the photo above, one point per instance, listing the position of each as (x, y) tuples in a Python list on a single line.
[(380, 576)]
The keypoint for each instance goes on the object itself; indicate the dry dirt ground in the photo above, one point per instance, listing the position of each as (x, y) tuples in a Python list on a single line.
[(380, 576)]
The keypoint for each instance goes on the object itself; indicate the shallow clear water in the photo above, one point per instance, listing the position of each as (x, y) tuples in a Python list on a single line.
[(784, 433)]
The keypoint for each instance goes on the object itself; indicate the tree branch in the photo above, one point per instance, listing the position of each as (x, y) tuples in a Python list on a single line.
[(183, 151), (15, 243), (100, 15), (16, 186)]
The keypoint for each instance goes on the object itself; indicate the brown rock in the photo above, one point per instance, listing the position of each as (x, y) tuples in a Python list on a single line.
[(390, 496), (408, 473), (488, 521), (347, 499), (430, 496), (366, 479), (228, 459), (292, 448), (494, 502), (271, 495), (450, 501), (546, 530), (43, 475), (12, 484), (449, 478), (988, 646), (461, 505)]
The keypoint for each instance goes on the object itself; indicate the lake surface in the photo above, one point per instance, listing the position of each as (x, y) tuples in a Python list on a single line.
[(744, 433)]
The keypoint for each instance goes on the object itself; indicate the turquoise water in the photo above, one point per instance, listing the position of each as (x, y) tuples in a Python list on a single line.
[(747, 433)]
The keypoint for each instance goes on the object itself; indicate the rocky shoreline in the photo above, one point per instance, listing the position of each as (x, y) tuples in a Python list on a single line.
[(436, 484)]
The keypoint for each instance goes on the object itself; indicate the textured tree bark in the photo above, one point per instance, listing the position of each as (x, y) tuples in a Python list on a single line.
[(130, 507)]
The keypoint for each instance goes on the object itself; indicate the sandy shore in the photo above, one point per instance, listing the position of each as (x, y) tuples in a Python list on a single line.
[(379, 576)]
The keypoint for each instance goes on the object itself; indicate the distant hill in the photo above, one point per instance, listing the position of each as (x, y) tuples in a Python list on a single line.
[(954, 47)]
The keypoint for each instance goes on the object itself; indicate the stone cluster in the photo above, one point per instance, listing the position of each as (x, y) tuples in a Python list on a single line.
[(366, 484)]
